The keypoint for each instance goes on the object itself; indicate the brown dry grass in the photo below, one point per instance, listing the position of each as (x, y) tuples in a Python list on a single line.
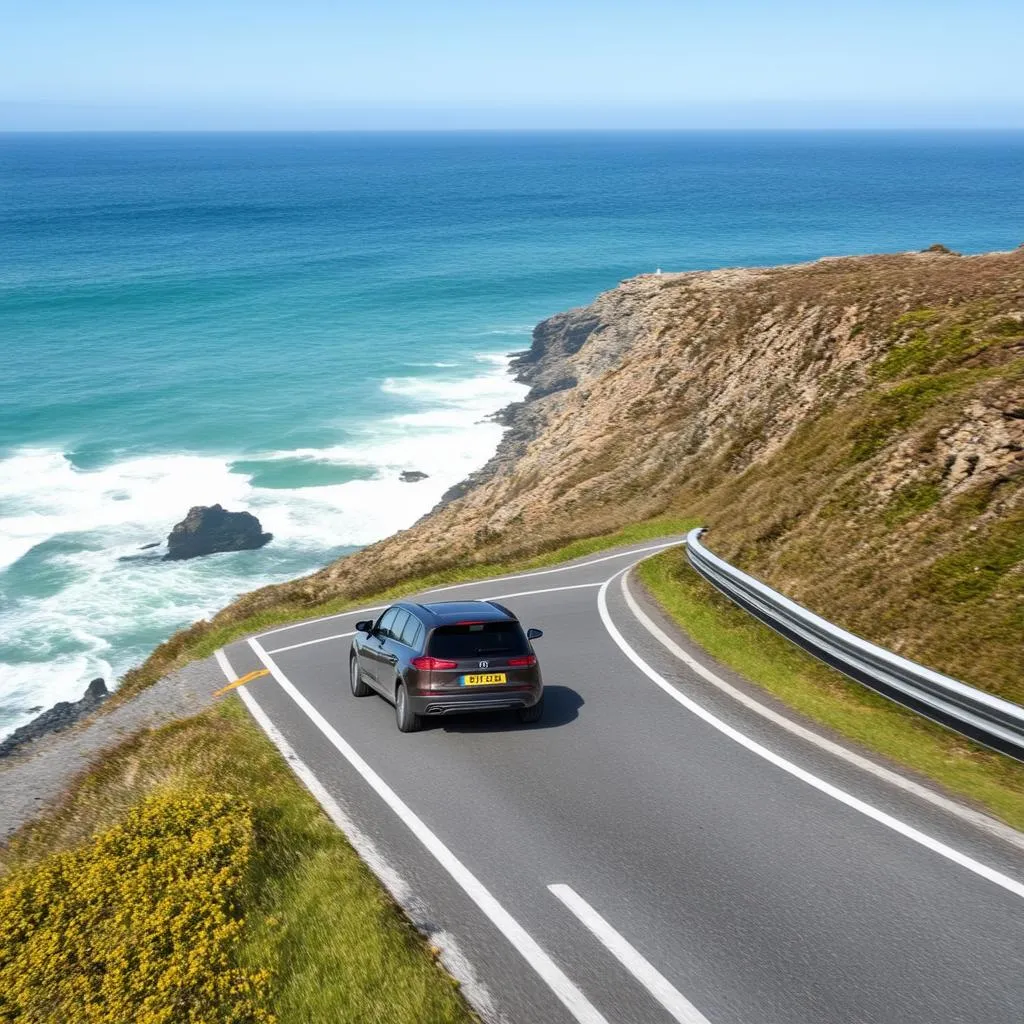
[(801, 412)]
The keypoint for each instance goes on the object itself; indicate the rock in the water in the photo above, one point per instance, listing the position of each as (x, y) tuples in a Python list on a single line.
[(148, 547), (97, 688), (209, 528), (60, 716), (411, 476)]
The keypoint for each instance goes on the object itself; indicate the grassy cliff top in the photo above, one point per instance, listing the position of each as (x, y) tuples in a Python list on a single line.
[(852, 429)]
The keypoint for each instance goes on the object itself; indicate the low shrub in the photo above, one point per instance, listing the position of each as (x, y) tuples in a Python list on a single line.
[(140, 924)]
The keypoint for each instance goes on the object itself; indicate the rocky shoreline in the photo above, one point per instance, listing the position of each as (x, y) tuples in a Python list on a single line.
[(682, 392), (547, 369), (724, 394), (61, 716)]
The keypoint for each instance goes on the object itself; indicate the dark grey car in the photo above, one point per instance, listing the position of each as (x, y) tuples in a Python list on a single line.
[(447, 658)]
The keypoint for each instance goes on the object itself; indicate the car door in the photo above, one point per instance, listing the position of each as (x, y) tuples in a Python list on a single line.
[(374, 651), (392, 653)]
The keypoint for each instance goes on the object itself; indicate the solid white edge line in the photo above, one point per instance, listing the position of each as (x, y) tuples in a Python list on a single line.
[(391, 879), (473, 583), (972, 817), (451, 956), (855, 803), (544, 590), (493, 597), (560, 568), (660, 988), (322, 618), (560, 984), (307, 643)]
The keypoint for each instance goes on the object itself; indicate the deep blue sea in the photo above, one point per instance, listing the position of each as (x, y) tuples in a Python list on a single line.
[(283, 323)]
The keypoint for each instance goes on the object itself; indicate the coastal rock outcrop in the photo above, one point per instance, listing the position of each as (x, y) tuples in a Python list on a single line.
[(210, 528), (412, 476), (850, 428), (61, 716)]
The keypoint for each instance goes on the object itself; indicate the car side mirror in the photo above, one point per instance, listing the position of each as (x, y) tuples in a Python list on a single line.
[(366, 626), (534, 634)]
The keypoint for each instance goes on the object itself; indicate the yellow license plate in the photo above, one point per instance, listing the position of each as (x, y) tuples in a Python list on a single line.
[(485, 679)]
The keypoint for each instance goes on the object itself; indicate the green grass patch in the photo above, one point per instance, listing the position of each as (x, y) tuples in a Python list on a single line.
[(298, 921), (1006, 327), (897, 408), (734, 638), (914, 318), (911, 500), (203, 638), (923, 351), (982, 564), (929, 346)]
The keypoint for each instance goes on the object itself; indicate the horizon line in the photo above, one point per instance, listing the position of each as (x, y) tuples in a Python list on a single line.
[(539, 130)]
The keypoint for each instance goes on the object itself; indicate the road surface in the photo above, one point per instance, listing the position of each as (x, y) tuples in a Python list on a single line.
[(663, 846)]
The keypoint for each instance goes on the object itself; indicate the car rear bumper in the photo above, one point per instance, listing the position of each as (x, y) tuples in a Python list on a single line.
[(449, 702)]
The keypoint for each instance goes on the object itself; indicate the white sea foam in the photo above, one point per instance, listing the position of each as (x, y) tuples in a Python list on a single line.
[(42, 495), (73, 525), (511, 331)]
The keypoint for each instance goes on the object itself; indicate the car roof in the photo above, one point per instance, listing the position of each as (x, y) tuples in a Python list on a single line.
[(447, 613)]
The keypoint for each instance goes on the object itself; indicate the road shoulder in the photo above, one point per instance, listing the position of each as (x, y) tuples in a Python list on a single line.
[(803, 696)]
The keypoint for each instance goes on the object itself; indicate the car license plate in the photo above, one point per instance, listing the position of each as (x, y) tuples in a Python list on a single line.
[(484, 679)]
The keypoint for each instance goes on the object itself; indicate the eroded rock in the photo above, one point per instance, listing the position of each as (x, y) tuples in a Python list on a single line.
[(210, 528), (61, 716)]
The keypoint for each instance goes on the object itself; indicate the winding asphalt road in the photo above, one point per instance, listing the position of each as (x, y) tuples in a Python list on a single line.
[(664, 846)]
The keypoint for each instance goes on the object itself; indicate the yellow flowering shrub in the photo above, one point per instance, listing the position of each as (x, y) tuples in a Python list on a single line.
[(138, 926)]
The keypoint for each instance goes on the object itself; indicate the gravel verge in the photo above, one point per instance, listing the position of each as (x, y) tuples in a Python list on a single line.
[(39, 772)]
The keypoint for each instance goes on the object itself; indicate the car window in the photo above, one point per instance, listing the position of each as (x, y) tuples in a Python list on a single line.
[(417, 640), (385, 622), (395, 630), (408, 636), (472, 640)]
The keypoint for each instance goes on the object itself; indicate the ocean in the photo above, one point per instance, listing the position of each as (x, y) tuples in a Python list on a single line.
[(285, 322)]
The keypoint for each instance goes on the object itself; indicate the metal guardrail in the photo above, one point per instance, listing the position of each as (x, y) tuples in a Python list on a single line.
[(989, 720)]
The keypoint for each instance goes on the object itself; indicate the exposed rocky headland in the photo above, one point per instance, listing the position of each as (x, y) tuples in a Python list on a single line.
[(852, 429)]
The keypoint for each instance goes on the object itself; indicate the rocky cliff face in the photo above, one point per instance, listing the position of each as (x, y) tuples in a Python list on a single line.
[(814, 415)]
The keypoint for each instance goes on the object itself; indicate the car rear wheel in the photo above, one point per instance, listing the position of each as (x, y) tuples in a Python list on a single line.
[(534, 714), (407, 720), (355, 679)]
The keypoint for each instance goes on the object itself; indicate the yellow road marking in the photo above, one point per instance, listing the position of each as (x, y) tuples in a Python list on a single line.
[(241, 682)]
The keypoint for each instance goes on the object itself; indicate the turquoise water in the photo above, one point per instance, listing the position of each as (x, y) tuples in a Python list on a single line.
[(284, 323)]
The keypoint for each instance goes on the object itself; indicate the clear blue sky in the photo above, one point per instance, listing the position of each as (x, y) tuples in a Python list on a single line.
[(497, 63)]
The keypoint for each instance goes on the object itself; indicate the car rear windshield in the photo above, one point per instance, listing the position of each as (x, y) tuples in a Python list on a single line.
[(470, 640)]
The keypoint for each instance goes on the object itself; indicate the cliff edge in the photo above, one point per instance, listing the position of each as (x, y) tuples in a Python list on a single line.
[(852, 430)]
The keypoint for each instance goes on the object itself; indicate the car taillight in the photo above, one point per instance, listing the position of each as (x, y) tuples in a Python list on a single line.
[(526, 661), (426, 663)]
